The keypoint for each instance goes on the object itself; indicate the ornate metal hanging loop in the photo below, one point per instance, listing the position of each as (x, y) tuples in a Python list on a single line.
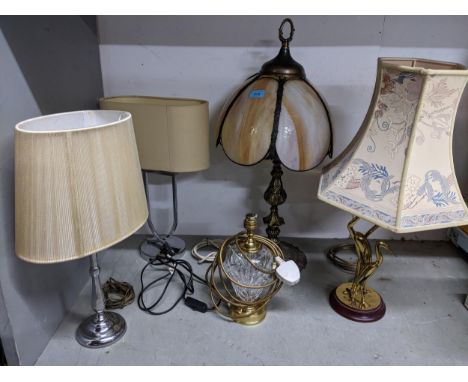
[(291, 31)]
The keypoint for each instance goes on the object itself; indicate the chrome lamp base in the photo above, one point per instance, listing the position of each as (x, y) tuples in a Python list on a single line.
[(175, 242), (101, 329)]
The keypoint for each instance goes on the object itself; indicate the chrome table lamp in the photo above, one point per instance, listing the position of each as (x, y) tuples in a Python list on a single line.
[(278, 115), (172, 136), (398, 171), (78, 190)]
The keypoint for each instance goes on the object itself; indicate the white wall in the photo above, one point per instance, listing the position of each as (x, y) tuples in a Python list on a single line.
[(207, 57)]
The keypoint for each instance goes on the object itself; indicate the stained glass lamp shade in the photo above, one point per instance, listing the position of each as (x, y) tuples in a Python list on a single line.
[(278, 119), (277, 114), (398, 171)]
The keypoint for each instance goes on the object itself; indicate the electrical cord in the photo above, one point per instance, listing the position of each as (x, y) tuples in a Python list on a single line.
[(216, 243), (163, 247), (3, 361), (117, 294), (176, 268)]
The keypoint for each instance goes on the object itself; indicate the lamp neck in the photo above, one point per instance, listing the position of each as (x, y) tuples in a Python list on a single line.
[(249, 244), (97, 297)]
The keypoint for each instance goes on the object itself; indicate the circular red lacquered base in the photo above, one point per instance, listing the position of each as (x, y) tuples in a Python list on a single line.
[(354, 314)]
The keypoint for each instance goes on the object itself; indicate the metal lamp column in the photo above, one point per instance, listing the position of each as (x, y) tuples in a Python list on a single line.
[(275, 195), (102, 328), (168, 243)]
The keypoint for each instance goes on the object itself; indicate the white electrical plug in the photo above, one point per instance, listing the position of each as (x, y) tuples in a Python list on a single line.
[(287, 271)]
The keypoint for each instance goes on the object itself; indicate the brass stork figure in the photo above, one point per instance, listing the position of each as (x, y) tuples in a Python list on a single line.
[(365, 267), (355, 300)]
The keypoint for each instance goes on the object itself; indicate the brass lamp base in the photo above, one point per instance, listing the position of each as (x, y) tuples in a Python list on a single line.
[(291, 252), (373, 309), (250, 315), (355, 300)]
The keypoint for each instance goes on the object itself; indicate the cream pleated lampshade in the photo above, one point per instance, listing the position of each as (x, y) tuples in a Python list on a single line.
[(172, 133), (78, 185)]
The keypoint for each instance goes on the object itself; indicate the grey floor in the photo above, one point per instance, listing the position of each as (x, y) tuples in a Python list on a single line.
[(423, 284)]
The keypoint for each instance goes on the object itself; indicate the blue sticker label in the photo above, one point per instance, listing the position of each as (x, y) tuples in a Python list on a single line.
[(257, 94)]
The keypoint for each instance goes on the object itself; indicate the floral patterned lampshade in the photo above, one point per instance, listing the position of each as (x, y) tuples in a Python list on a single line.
[(398, 171)]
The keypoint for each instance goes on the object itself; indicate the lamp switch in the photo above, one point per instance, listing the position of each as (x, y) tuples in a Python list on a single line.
[(197, 305)]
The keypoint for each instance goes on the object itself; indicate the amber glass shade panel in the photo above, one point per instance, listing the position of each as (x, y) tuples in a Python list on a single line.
[(248, 125), (304, 133)]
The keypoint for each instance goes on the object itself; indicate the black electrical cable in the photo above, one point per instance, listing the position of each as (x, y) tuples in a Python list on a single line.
[(176, 267), (3, 360)]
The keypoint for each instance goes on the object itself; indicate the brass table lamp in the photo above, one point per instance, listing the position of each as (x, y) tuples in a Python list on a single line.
[(398, 171), (278, 115), (78, 190), (172, 136), (242, 278)]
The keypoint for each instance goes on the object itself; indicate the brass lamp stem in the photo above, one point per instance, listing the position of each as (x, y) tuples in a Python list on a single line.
[(249, 244), (355, 300), (275, 195), (365, 265), (346, 265)]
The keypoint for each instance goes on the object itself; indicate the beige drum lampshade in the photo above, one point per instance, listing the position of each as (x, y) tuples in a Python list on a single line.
[(78, 185), (172, 133), (398, 171)]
